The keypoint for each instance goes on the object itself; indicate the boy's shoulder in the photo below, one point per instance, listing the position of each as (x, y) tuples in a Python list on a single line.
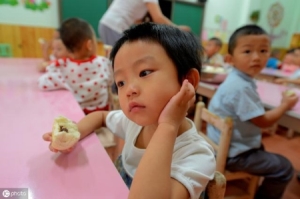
[(233, 87), (233, 83)]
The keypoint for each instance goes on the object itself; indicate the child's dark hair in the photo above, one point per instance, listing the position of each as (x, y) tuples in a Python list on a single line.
[(292, 50), (180, 46), (217, 41), (74, 32), (244, 31)]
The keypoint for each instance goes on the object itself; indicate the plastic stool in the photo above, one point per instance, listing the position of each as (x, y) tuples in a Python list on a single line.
[(5, 50)]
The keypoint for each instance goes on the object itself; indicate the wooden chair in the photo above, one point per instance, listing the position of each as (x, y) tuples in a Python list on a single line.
[(216, 187), (225, 127)]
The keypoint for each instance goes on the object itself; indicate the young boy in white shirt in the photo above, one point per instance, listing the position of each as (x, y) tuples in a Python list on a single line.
[(163, 156)]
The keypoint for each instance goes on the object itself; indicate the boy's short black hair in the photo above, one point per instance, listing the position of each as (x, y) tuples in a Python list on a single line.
[(244, 31), (74, 32), (180, 46), (291, 51), (217, 41)]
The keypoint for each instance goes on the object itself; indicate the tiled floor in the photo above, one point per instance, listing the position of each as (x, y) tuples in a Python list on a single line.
[(278, 143)]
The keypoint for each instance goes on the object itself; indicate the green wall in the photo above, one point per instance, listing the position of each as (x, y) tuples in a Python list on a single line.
[(91, 10), (188, 14)]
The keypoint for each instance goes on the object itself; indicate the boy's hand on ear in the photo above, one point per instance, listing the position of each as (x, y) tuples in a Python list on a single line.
[(176, 109)]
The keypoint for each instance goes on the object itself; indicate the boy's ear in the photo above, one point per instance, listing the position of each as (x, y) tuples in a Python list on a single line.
[(193, 77), (228, 58)]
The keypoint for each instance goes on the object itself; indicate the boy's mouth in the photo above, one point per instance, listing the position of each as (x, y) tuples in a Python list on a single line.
[(256, 66), (133, 106)]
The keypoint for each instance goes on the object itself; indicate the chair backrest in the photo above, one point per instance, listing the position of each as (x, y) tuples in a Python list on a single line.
[(216, 187), (223, 125)]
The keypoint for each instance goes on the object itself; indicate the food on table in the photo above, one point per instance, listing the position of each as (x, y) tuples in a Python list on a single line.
[(212, 69), (64, 134), (289, 93)]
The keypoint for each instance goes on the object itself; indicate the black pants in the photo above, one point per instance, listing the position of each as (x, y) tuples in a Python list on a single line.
[(276, 170)]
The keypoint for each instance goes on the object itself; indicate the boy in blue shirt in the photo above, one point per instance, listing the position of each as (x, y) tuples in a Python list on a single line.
[(249, 49)]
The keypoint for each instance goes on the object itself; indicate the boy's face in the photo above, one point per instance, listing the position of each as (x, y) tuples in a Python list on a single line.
[(289, 59), (297, 57), (146, 78), (211, 48), (59, 49), (251, 53)]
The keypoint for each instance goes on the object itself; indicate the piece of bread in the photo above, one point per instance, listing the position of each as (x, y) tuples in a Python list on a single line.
[(64, 133), (289, 93)]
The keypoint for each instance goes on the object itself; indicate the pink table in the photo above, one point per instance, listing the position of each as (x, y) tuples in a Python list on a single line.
[(270, 95), (270, 74), (26, 162)]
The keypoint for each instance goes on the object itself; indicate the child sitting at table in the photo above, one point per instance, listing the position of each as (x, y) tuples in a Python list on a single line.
[(86, 75), (291, 62), (249, 48), (212, 56), (163, 153), (295, 77), (58, 51), (273, 61)]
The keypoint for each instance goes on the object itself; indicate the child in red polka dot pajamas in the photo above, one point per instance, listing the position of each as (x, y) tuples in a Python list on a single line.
[(87, 76)]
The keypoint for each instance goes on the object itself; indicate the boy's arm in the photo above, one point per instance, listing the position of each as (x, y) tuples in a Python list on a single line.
[(287, 80), (158, 17), (45, 49), (41, 67), (52, 79), (272, 116), (293, 81), (152, 178), (91, 122)]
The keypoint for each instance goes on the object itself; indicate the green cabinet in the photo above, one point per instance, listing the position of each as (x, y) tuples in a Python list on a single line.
[(188, 14), (91, 10)]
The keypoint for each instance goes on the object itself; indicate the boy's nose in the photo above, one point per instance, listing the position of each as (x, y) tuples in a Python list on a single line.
[(255, 56), (132, 90)]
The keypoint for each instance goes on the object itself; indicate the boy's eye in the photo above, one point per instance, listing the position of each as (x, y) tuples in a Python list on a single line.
[(145, 72), (264, 51), (120, 84), (247, 51)]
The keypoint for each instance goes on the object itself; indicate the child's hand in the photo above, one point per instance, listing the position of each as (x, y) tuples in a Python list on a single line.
[(184, 28), (289, 100), (176, 109), (280, 81), (48, 137)]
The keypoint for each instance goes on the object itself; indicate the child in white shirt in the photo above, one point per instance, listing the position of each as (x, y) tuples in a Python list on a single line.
[(163, 155), (212, 56), (86, 75)]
